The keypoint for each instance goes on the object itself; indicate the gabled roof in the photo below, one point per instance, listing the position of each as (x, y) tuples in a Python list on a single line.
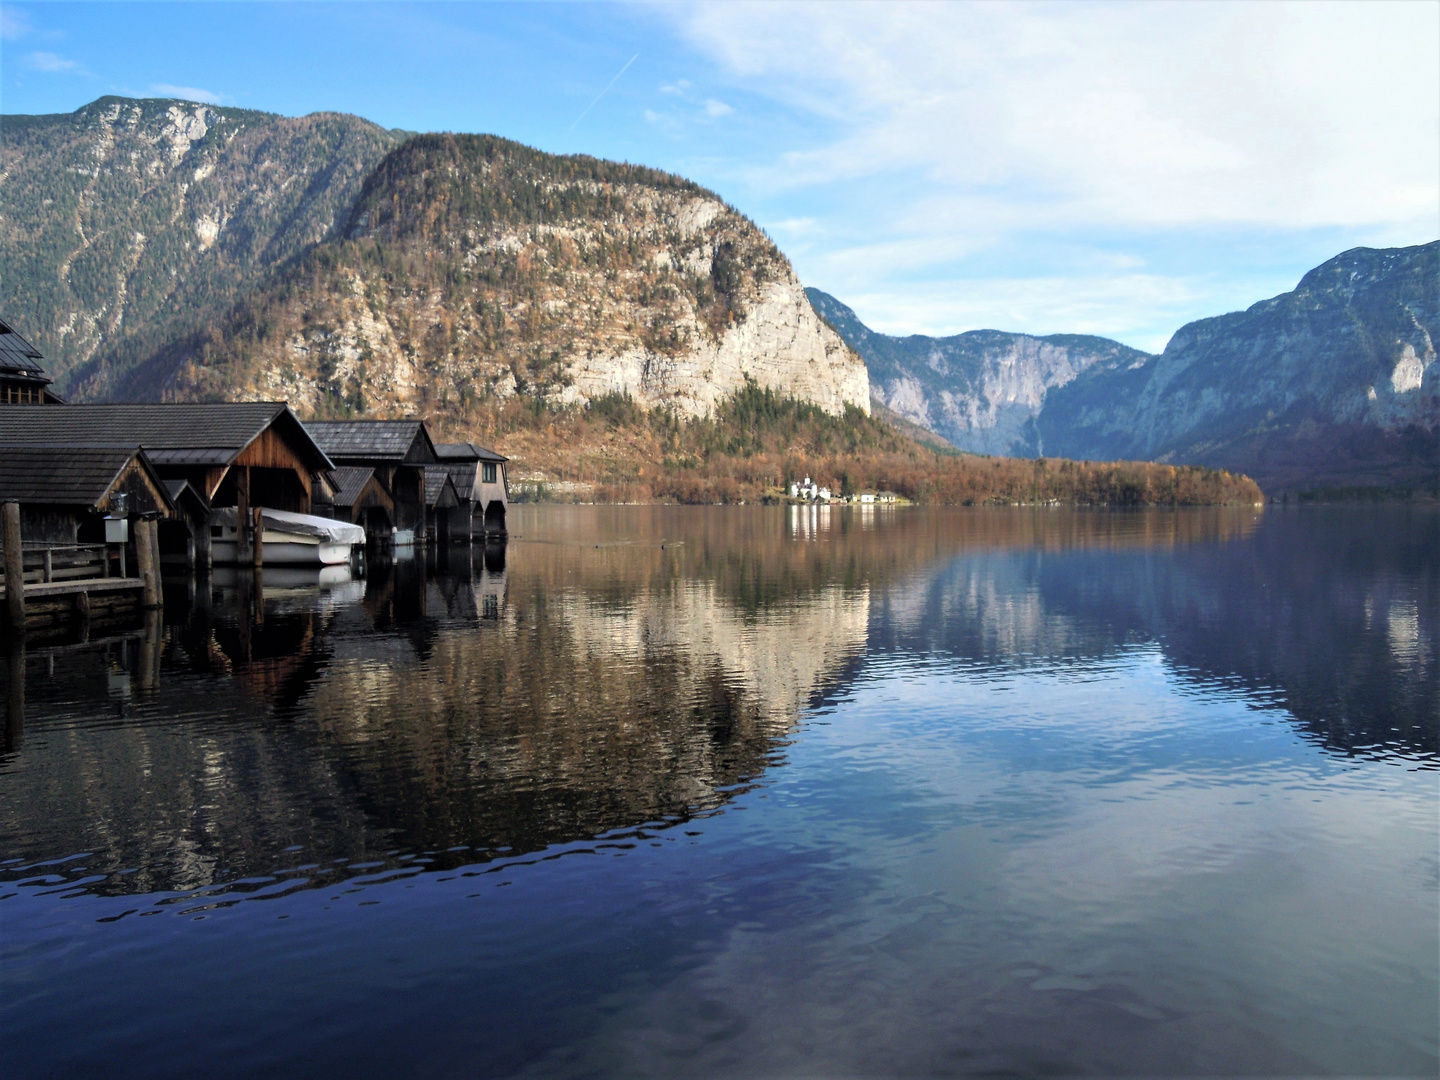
[(18, 356), (437, 481), (358, 442), (80, 476), (350, 481), (201, 433), (455, 452), (463, 477), (182, 491)]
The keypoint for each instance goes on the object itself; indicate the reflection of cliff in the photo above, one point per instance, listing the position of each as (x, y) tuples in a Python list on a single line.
[(518, 706), (581, 709)]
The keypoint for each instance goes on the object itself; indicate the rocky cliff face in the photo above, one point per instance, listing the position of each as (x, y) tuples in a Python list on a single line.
[(131, 223), (473, 269), (980, 390), (1334, 383), (162, 248)]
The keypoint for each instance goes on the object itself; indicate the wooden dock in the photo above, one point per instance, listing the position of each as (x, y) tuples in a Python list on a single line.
[(65, 584)]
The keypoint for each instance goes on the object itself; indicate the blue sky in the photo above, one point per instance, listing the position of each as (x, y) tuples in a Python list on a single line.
[(1105, 168)]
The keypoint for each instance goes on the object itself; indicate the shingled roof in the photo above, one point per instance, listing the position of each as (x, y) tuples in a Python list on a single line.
[(203, 433), (463, 477), (20, 366), (350, 481), (18, 356), (80, 476), (455, 452), (358, 442), (437, 479)]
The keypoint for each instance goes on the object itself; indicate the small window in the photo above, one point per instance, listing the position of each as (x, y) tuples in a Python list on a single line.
[(216, 530), (487, 473)]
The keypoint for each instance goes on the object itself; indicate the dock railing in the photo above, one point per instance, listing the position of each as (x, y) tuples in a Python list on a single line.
[(58, 583), (45, 563)]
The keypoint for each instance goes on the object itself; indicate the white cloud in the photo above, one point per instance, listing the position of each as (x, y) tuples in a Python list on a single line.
[(717, 108), (186, 93), (1155, 114), (1141, 310), (968, 156), (679, 86), (14, 23), (795, 226), (51, 62)]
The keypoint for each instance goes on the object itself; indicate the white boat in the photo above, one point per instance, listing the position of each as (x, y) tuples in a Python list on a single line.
[(287, 539)]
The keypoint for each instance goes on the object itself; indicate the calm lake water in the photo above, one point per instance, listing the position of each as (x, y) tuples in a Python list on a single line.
[(667, 791)]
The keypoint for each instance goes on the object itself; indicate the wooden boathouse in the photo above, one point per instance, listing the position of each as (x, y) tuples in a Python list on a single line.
[(229, 454), (22, 378), (78, 529), (442, 505), (480, 485), (396, 452), (359, 498)]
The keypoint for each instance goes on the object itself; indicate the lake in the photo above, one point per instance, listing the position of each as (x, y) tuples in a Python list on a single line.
[(748, 791)]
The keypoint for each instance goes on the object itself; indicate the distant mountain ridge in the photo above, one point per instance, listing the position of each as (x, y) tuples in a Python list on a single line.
[(980, 390), (1332, 385)]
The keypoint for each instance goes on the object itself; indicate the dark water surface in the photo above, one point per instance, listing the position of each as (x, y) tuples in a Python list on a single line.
[(748, 792)]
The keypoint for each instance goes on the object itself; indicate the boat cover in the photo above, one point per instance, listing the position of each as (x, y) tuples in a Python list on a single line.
[(326, 530)]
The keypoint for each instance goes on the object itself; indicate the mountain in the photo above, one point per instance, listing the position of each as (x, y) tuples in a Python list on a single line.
[(164, 248), (979, 390), (1332, 385), (129, 224), (473, 271)]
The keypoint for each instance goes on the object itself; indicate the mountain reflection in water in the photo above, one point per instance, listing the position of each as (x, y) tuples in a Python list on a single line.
[(618, 675)]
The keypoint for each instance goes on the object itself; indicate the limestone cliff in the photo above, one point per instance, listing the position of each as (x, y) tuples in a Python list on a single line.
[(130, 223), (979, 390), (473, 269)]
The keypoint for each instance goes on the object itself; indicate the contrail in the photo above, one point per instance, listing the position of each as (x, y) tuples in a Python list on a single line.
[(602, 93)]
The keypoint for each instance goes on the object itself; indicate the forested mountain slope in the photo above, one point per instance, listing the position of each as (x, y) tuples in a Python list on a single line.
[(129, 224)]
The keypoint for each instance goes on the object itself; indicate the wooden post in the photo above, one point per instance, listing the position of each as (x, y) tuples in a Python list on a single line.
[(49, 574), (201, 540), (242, 515), (155, 565), (145, 563), (14, 566), (259, 515)]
